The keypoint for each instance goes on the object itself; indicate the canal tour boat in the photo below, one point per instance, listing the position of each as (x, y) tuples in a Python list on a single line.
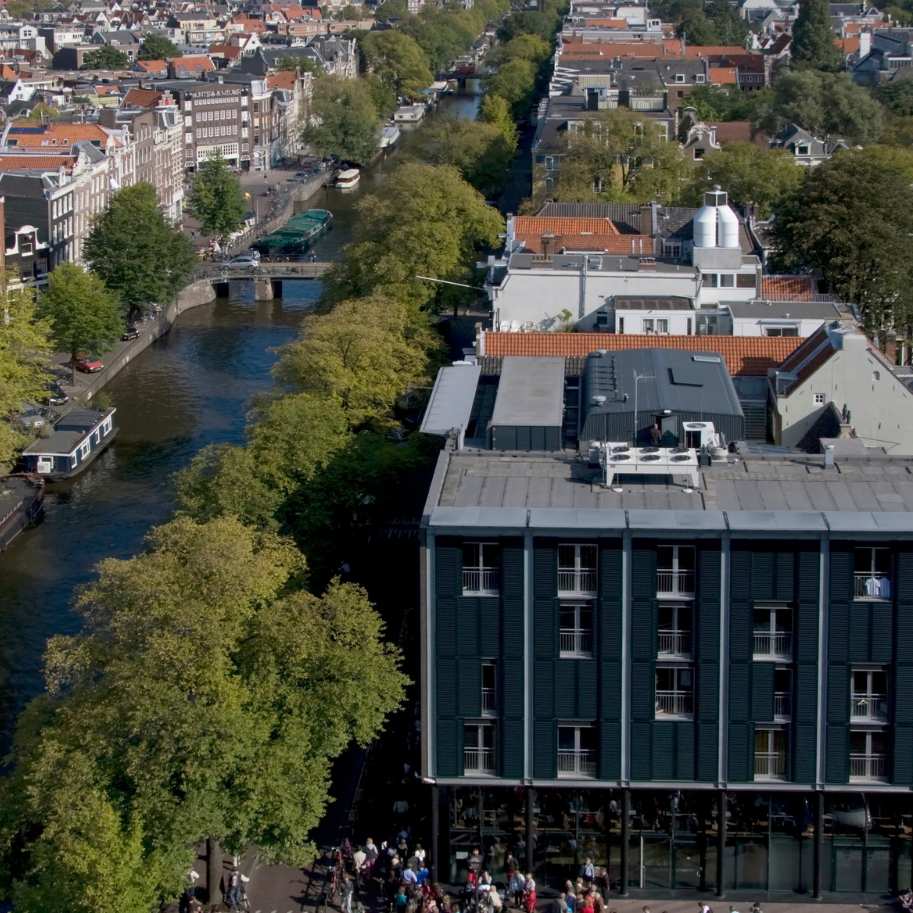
[(76, 440), (21, 505), (296, 236), (347, 178)]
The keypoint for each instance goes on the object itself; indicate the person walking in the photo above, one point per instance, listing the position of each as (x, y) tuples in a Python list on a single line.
[(517, 886), (529, 895)]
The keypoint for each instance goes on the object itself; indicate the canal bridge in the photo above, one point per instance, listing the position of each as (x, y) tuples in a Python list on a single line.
[(266, 278)]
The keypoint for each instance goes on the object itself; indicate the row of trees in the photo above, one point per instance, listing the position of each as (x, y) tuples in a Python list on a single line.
[(155, 46)]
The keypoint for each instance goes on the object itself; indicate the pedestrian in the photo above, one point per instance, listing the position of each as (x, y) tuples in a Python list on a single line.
[(517, 886), (348, 890), (233, 894), (529, 896), (561, 903), (410, 877), (401, 900), (588, 872), (419, 852), (359, 858), (422, 875)]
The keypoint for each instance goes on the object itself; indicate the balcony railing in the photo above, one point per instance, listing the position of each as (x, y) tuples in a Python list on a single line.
[(773, 644), (670, 583), (871, 586), (868, 766), (478, 760), (575, 642), (871, 708), (769, 765), (673, 703), (782, 705), (674, 643), (576, 582), (480, 581), (580, 763), (489, 701)]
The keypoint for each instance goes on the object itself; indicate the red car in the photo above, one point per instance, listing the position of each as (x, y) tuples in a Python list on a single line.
[(88, 365)]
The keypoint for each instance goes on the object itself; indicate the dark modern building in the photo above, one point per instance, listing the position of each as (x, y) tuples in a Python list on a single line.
[(708, 687)]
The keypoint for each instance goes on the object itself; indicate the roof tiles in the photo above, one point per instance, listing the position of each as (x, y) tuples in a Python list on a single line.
[(562, 225)]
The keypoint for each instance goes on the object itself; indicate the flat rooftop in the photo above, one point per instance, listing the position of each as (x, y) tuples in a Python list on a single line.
[(786, 493), (530, 392)]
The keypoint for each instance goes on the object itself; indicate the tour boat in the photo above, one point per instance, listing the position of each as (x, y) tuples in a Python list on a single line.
[(348, 178)]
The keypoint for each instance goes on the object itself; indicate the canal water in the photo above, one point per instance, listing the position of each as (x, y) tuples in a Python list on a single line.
[(190, 389)]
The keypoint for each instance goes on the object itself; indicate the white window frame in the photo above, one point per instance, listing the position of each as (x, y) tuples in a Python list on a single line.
[(871, 765), (819, 399), (869, 695), (778, 640), (85, 448), (483, 751), (481, 579), (678, 634), (576, 641), (679, 699), (489, 691), (581, 577), (682, 580), (579, 761), (773, 762)]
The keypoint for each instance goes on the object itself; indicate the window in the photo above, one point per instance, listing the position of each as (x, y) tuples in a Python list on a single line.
[(648, 325), (602, 319), (746, 280), (674, 631), (782, 331), (479, 748), (727, 280), (621, 325), (675, 571), (576, 750), (480, 569), (868, 757), (699, 78), (820, 399), (773, 638), (698, 154), (872, 579), (679, 77), (576, 630), (674, 691), (783, 694), (770, 754), (801, 150), (869, 696), (84, 448), (662, 326), (577, 569), (672, 249), (710, 280), (489, 688)]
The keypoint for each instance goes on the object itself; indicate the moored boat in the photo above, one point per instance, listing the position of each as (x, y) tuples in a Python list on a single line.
[(347, 178), (21, 505), (297, 235), (76, 439)]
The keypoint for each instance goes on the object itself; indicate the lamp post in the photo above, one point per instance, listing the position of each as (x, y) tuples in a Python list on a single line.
[(637, 379)]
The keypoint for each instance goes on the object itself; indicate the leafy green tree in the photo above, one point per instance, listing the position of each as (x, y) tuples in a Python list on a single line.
[(350, 13), (515, 82), (751, 176), (137, 253), (525, 47), (156, 46), (496, 111), (361, 355), (345, 122), (206, 696), (84, 315), (528, 23), (813, 38), (427, 221), (852, 219), (105, 58), (716, 23), (382, 96), (728, 103), (25, 349), (479, 150), (216, 198), (827, 104), (897, 96), (398, 61)]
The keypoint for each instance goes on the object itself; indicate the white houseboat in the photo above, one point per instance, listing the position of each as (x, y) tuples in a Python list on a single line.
[(347, 178), (77, 439), (389, 136), (409, 114)]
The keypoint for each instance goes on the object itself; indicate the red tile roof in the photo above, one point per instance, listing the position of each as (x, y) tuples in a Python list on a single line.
[(848, 45), (788, 288), (56, 134), (745, 355), (198, 63), (623, 245), (36, 162), (152, 66), (723, 76), (142, 98), (539, 225), (284, 79)]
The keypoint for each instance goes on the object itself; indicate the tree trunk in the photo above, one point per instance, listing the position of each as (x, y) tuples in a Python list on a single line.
[(214, 870)]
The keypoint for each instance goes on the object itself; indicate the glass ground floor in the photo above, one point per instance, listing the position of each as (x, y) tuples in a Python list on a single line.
[(702, 842)]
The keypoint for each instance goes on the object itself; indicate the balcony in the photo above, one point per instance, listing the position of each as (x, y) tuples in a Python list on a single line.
[(580, 763), (868, 767), (769, 765), (480, 581), (672, 584), (489, 701), (674, 643), (870, 586), (479, 761), (575, 642), (576, 582), (673, 703), (782, 705), (773, 645), (869, 708)]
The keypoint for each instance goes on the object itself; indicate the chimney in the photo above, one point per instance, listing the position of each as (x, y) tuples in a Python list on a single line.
[(828, 456), (548, 242), (865, 44)]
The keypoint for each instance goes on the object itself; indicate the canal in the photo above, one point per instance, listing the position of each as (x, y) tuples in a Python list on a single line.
[(189, 389)]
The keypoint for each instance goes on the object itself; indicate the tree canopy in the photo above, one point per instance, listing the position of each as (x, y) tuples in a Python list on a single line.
[(714, 23), (136, 252), (216, 198), (398, 61), (515, 82), (345, 122), (852, 218), (84, 315), (496, 111), (105, 57), (206, 696), (813, 38), (156, 46)]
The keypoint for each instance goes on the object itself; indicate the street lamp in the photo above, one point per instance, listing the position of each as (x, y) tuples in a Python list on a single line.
[(637, 379)]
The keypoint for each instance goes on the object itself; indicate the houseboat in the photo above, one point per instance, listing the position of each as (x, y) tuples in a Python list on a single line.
[(389, 136), (409, 114), (76, 440), (347, 178), (296, 236), (21, 505)]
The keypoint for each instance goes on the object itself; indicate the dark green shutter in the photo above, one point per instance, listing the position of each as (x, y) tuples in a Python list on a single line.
[(708, 692), (545, 749), (470, 685), (641, 751), (545, 570), (512, 688), (510, 735), (468, 628), (902, 774), (544, 690), (741, 752), (903, 691), (707, 751), (684, 751), (882, 642), (566, 689), (785, 582), (838, 635), (610, 691), (804, 750), (512, 600), (448, 570), (664, 759), (860, 620), (449, 748), (838, 753), (739, 692), (446, 639), (642, 691), (841, 572), (609, 750), (609, 605), (762, 692), (489, 627), (838, 694), (763, 578), (904, 589), (586, 689), (707, 606), (446, 685), (806, 702)]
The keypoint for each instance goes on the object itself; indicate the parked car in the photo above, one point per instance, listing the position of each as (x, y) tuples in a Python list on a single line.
[(57, 396), (130, 333), (250, 260), (88, 364), (32, 417)]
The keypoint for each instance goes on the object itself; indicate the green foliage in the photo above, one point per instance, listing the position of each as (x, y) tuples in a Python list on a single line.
[(398, 61), (826, 104), (216, 198), (515, 82), (84, 315), (525, 47), (157, 47), (382, 96), (751, 176), (351, 13), (727, 103), (496, 111), (716, 23), (852, 219), (897, 96), (136, 252), (528, 23), (346, 122), (25, 349), (813, 38), (427, 221), (480, 151), (105, 57), (206, 696)]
